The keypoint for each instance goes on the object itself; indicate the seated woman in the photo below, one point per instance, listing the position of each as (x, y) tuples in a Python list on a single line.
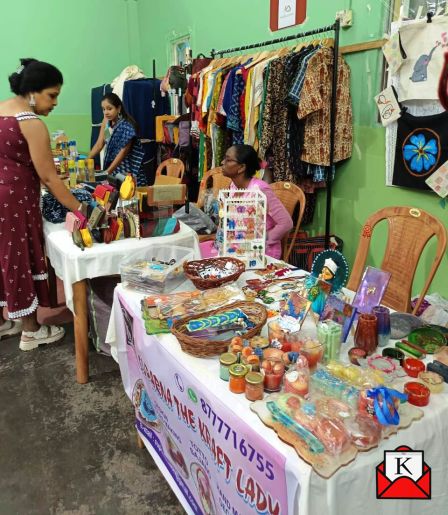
[(124, 152), (240, 164)]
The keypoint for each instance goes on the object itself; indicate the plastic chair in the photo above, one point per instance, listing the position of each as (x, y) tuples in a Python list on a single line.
[(290, 195), (409, 230), (215, 180), (174, 168)]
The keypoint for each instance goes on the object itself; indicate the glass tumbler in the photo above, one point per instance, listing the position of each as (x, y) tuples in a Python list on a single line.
[(383, 324)]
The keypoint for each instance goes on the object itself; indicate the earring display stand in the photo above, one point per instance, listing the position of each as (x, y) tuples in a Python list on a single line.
[(242, 216)]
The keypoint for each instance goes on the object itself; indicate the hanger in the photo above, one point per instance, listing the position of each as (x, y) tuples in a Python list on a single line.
[(328, 42), (260, 57)]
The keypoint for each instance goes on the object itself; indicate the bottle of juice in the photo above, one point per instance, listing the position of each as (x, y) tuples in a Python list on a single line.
[(72, 173), (91, 170), (81, 170), (73, 150)]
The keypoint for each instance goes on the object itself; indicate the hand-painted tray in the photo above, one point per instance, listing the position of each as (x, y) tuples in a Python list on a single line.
[(428, 338), (401, 324), (323, 463)]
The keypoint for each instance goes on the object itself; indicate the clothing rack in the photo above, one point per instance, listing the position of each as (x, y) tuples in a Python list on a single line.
[(336, 27)]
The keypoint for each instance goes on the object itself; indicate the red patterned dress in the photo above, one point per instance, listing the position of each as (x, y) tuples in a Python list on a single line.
[(23, 270)]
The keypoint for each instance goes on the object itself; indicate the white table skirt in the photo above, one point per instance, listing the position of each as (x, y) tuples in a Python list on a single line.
[(352, 489), (72, 264)]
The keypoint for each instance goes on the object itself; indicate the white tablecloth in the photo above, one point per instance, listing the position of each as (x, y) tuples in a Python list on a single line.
[(72, 264), (352, 489)]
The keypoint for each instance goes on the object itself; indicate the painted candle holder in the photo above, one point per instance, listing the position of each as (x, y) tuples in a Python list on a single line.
[(366, 335)]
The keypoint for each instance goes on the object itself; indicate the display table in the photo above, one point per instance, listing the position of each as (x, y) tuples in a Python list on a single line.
[(195, 428), (74, 266)]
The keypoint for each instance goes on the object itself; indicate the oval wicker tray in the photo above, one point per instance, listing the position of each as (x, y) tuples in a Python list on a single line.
[(205, 348), (193, 270)]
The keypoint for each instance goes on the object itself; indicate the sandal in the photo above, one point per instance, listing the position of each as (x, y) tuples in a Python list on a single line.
[(45, 334), (9, 328)]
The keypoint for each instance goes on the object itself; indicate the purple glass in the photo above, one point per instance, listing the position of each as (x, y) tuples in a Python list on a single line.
[(383, 324)]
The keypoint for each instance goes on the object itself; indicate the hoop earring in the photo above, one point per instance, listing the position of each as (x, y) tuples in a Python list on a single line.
[(32, 100)]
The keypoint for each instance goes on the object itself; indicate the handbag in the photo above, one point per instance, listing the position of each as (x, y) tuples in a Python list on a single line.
[(72, 222), (184, 134), (82, 219), (177, 78), (127, 189), (86, 237), (160, 227), (159, 125), (97, 217), (199, 63), (166, 194)]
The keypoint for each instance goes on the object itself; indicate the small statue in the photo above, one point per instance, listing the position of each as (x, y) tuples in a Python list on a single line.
[(319, 289)]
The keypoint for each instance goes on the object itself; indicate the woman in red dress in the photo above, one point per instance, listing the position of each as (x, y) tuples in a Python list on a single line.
[(25, 162)]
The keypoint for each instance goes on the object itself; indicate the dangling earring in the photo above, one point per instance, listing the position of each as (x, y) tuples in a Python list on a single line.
[(32, 100), (120, 116)]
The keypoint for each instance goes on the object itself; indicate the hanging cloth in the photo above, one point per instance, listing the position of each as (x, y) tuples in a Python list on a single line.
[(422, 147)]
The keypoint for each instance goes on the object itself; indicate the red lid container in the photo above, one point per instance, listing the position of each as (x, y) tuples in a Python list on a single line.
[(413, 367), (418, 394)]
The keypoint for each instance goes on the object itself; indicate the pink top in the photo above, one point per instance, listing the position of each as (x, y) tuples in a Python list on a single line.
[(278, 221)]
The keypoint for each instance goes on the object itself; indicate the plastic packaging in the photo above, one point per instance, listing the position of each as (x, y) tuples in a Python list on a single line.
[(158, 269), (333, 434), (196, 219), (298, 377), (329, 334), (363, 430)]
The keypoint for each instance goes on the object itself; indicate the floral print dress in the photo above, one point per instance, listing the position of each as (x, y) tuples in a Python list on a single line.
[(23, 271)]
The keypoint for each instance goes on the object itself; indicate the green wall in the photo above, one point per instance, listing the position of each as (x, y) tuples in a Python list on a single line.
[(359, 188), (91, 41)]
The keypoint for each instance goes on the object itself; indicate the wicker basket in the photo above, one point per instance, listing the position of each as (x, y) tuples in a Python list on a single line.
[(193, 270), (205, 348)]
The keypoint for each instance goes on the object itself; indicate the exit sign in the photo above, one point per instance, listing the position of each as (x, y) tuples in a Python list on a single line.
[(286, 13)]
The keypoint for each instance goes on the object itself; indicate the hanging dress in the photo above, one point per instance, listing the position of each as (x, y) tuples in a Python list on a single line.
[(23, 271)]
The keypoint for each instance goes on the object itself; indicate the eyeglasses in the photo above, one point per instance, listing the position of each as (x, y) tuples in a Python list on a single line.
[(227, 159)]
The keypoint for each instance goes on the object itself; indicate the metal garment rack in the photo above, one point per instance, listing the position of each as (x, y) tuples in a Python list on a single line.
[(336, 27)]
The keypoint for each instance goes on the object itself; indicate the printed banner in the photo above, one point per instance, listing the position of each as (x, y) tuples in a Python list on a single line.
[(219, 463)]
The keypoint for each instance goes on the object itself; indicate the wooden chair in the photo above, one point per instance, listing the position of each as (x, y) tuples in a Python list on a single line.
[(409, 230), (173, 167), (290, 195), (215, 180)]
